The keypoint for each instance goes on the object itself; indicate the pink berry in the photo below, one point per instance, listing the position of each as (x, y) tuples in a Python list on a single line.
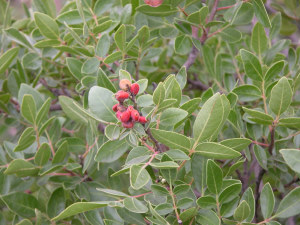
[(121, 96), (125, 116), (118, 114), (135, 115), (134, 89), (143, 120), (153, 3), (130, 108), (115, 107)]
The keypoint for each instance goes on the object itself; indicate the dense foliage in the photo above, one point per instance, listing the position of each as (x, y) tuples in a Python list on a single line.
[(137, 112)]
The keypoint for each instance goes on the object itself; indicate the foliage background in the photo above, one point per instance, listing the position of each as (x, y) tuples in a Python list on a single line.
[(54, 122)]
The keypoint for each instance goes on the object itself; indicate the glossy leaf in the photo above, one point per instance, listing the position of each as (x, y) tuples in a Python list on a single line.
[(267, 201), (281, 96)]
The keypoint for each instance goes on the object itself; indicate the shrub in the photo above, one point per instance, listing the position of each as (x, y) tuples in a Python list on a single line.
[(155, 112)]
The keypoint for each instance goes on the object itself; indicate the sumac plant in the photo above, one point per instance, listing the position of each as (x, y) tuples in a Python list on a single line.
[(150, 112)]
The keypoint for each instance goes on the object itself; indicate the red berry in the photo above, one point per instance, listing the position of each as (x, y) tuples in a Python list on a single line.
[(115, 107), (134, 89), (143, 120), (135, 115), (121, 96), (118, 114), (128, 124), (130, 108), (125, 116), (153, 3)]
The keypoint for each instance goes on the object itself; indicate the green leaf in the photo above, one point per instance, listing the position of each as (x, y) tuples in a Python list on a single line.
[(160, 219), (103, 45), (42, 155), (21, 168), (61, 152), (72, 110), (143, 35), (237, 144), (191, 105), (291, 122), (208, 217), (47, 7), (259, 117), (214, 177), (242, 211), (206, 202), (243, 15), (165, 165), (281, 96), (261, 13), (248, 196), (159, 94), (171, 116), (216, 151), (31, 61), (261, 156), (134, 205), (47, 26), (90, 66), (102, 6), (211, 118), (7, 58), (172, 139), (28, 108), (276, 25), (247, 92), (111, 150), (231, 35), (183, 44), (120, 38), (18, 37), (251, 65), (115, 56), (274, 70), (291, 157), (47, 43), (198, 17), (230, 193), (75, 66), (56, 203), (111, 192), (267, 201), (27, 138), (181, 77), (173, 89), (259, 39), (101, 102), (139, 177), (104, 81), (161, 11), (102, 27), (72, 17), (43, 111), (289, 205), (22, 204), (123, 74), (79, 207), (209, 59)]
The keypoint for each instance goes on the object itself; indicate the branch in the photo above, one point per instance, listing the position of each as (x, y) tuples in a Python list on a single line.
[(272, 133), (197, 84), (257, 193)]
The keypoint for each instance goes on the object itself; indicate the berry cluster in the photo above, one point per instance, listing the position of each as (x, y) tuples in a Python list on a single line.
[(127, 115)]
